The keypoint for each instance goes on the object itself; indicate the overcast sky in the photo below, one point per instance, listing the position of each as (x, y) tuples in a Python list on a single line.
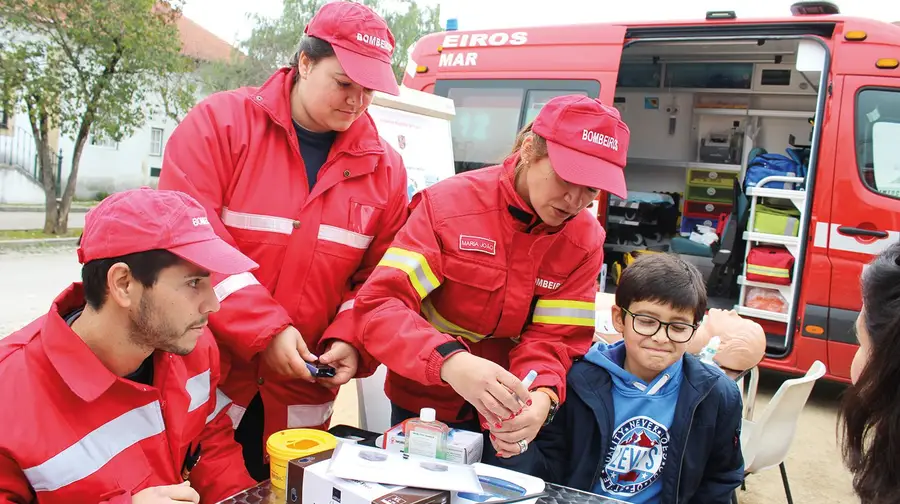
[(228, 18)]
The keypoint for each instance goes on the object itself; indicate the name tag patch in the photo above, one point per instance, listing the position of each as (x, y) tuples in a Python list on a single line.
[(477, 244)]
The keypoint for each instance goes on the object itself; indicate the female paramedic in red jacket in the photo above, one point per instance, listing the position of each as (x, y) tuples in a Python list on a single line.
[(295, 175), (494, 275)]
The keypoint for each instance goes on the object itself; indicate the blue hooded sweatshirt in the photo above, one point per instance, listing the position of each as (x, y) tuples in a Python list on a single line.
[(643, 415)]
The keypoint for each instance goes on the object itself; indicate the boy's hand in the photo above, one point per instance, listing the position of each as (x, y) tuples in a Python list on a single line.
[(524, 427)]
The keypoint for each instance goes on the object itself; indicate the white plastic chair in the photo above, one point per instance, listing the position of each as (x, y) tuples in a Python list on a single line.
[(374, 405), (748, 392), (765, 442)]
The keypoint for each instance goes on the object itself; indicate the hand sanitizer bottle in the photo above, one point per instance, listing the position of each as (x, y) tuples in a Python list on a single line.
[(426, 436)]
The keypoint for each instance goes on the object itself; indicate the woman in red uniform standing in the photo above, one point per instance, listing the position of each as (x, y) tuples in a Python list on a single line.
[(294, 174), (494, 275)]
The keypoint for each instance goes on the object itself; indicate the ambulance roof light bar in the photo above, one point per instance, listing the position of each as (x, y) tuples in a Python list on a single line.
[(814, 8)]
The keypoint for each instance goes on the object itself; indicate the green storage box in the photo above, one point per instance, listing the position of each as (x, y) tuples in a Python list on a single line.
[(776, 221)]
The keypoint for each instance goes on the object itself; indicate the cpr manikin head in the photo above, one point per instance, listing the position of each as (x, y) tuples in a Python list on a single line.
[(574, 148), (344, 56), (742, 341)]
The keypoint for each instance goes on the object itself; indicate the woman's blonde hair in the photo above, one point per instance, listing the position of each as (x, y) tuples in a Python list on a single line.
[(538, 147), (539, 144)]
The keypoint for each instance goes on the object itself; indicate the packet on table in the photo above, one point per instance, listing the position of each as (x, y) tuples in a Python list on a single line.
[(463, 447)]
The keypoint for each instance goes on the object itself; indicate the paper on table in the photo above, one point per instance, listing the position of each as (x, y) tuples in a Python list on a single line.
[(364, 463)]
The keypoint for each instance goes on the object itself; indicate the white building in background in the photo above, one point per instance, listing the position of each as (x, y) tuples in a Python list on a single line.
[(105, 166)]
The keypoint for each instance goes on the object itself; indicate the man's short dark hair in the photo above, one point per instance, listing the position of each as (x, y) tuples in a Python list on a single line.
[(663, 278), (145, 268)]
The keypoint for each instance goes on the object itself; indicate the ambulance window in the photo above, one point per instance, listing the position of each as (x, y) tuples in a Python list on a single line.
[(485, 126), (877, 130), (537, 99), (709, 75), (639, 75)]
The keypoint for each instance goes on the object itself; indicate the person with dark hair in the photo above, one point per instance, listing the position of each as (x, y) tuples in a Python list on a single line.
[(113, 395), (494, 276), (645, 421), (870, 408), (294, 174)]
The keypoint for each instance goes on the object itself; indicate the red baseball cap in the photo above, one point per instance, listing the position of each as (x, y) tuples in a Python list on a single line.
[(144, 219), (586, 140), (362, 42)]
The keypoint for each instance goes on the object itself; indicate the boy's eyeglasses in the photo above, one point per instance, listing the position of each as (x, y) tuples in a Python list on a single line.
[(645, 325)]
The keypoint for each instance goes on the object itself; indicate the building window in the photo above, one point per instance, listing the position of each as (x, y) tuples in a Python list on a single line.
[(101, 141), (154, 172), (877, 131), (156, 141)]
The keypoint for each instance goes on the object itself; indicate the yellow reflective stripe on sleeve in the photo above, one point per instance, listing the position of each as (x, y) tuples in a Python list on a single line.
[(415, 266), (564, 312), (445, 326)]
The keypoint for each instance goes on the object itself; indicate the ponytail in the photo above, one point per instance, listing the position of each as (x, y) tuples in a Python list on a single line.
[(539, 145)]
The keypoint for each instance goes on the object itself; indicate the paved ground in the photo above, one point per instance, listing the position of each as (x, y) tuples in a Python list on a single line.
[(31, 278), (34, 220)]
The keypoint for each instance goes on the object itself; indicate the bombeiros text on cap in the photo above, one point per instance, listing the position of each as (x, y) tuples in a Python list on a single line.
[(600, 139), (374, 41)]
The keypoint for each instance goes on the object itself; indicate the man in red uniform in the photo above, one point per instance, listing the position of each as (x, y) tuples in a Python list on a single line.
[(112, 395), (294, 174)]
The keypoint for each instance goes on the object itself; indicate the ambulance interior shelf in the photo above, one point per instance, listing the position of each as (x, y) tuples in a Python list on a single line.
[(777, 207), (644, 219), (704, 110)]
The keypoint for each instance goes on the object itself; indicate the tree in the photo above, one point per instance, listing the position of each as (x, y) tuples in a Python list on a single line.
[(177, 88), (273, 42), (87, 67), (408, 23)]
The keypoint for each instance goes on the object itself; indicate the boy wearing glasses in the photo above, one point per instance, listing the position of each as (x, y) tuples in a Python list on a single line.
[(644, 421)]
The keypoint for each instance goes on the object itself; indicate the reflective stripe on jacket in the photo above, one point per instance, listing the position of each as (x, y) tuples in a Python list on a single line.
[(474, 269), (237, 153), (75, 432)]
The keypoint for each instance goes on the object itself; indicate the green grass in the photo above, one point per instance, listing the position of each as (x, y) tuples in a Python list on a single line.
[(35, 234)]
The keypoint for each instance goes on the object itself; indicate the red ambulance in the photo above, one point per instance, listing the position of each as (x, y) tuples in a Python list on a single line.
[(703, 99)]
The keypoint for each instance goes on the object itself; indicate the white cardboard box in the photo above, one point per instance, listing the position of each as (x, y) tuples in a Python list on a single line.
[(318, 487)]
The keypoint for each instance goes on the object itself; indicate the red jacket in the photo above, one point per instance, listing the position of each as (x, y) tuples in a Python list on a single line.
[(473, 268), (75, 432), (237, 153)]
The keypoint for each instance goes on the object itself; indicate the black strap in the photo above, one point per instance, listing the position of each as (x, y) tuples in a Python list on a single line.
[(450, 347)]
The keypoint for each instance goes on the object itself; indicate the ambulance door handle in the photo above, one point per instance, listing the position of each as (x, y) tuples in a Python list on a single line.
[(855, 231)]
